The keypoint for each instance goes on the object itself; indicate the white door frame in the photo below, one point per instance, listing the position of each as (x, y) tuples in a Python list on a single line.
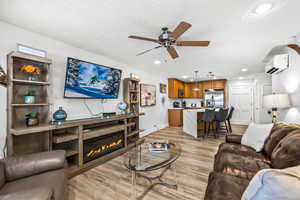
[(248, 83)]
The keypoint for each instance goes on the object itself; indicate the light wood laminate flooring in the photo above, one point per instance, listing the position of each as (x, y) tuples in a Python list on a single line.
[(112, 181)]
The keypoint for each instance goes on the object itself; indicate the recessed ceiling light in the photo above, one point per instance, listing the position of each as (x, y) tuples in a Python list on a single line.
[(244, 70), (157, 62), (215, 77), (185, 76), (263, 8), (241, 78)]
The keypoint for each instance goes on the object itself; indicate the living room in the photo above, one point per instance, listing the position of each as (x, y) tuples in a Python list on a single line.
[(109, 100)]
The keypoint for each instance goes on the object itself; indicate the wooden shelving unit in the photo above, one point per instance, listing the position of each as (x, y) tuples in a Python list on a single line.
[(18, 84), (131, 94)]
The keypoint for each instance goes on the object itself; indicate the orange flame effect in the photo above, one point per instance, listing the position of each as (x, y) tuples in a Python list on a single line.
[(104, 147)]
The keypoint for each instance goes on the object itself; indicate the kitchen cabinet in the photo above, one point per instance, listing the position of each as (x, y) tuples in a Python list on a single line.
[(174, 86), (219, 84), (175, 117), (189, 88), (196, 94), (207, 85), (214, 84)]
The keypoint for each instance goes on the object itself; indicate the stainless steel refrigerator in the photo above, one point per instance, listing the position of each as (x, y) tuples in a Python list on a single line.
[(214, 98)]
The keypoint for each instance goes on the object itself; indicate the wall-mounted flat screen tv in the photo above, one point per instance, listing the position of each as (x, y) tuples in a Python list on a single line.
[(91, 81)]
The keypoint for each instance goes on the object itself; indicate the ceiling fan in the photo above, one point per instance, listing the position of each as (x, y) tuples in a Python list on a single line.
[(168, 40), (293, 44), (296, 47)]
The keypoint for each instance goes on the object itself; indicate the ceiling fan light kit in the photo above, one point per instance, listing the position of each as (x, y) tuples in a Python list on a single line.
[(168, 40)]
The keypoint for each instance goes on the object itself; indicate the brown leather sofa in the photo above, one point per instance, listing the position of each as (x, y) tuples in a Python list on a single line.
[(40, 176), (236, 164)]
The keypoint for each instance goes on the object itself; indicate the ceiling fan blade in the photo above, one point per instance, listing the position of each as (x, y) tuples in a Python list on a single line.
[(143, 38), (193, 43), (295, 47), (180, 29), (148, 50), (173, 53)]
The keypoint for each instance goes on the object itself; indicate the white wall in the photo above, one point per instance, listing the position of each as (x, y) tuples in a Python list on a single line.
[(58, 51), (289, 82)]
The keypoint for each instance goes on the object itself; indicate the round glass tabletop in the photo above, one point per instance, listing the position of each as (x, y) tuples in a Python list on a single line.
[(141, 158)]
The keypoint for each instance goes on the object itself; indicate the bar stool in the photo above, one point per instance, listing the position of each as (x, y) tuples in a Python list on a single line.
[(208, 118), (229, 116), (220, 117)]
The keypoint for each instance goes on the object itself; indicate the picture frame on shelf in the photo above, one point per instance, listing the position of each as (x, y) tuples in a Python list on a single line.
[(3, 77), (163, 88)]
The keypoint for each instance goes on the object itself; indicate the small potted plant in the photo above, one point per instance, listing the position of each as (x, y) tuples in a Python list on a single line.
[(31, 70), (29, 97), (32, 119)]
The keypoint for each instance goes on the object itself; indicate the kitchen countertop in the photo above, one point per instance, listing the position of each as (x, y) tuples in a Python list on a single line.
[(197, 109)]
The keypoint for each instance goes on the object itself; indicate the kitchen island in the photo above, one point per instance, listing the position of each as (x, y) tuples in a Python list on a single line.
[(190, 121)]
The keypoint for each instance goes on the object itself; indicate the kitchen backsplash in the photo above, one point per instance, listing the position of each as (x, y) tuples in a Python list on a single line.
[(188, 102)]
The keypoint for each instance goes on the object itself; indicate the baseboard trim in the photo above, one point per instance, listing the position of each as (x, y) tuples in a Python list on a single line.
[(152, 130)]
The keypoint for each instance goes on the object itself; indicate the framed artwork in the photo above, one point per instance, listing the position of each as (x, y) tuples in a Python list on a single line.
[(163, 88), (148, 95)]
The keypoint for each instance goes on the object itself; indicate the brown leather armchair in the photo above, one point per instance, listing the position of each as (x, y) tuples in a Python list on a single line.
[(40, 176)]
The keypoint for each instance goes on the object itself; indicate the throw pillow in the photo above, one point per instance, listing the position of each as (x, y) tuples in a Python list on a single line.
[(256, 135), (270, 184)]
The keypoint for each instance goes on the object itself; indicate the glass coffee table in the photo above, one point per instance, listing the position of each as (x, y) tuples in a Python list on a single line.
[(141, 161)]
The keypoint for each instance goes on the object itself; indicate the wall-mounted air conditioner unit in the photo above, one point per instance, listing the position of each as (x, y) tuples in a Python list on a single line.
[(278, 64)]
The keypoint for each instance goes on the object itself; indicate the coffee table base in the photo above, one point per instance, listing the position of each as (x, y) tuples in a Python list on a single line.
[(156, 180)]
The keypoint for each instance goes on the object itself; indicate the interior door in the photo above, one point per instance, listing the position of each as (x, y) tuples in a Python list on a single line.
[(262, 112), (241, 98)]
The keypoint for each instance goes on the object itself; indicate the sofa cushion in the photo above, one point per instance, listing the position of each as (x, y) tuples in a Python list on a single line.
[(40, 193), (222, 186), (55, 180), (241, 150), (287, 152), (278, 132), (239, 165), (272, 184), (2, 174), (256, 135), (233, 138)]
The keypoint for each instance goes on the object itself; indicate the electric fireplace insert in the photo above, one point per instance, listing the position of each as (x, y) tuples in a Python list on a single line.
[(100, 146)]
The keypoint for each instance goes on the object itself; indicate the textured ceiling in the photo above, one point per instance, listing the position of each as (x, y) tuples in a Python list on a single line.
[(238, 40)]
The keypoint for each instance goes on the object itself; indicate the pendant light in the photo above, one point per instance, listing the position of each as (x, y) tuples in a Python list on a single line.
[(211, 76), (196, 80)]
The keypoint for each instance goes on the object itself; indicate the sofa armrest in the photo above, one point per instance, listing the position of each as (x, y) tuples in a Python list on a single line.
[(29, 165), (42, 193), (233, 138)]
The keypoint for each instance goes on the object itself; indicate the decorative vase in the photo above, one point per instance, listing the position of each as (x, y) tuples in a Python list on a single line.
[(122, 106), (60, 115), (32, 77), (32, 121), (29, 99)]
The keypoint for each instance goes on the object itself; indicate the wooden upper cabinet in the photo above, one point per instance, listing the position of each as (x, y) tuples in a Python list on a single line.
[(187, 90), (214, 84), (174, 86), (219, 84), (207, 85), (196, 93)]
